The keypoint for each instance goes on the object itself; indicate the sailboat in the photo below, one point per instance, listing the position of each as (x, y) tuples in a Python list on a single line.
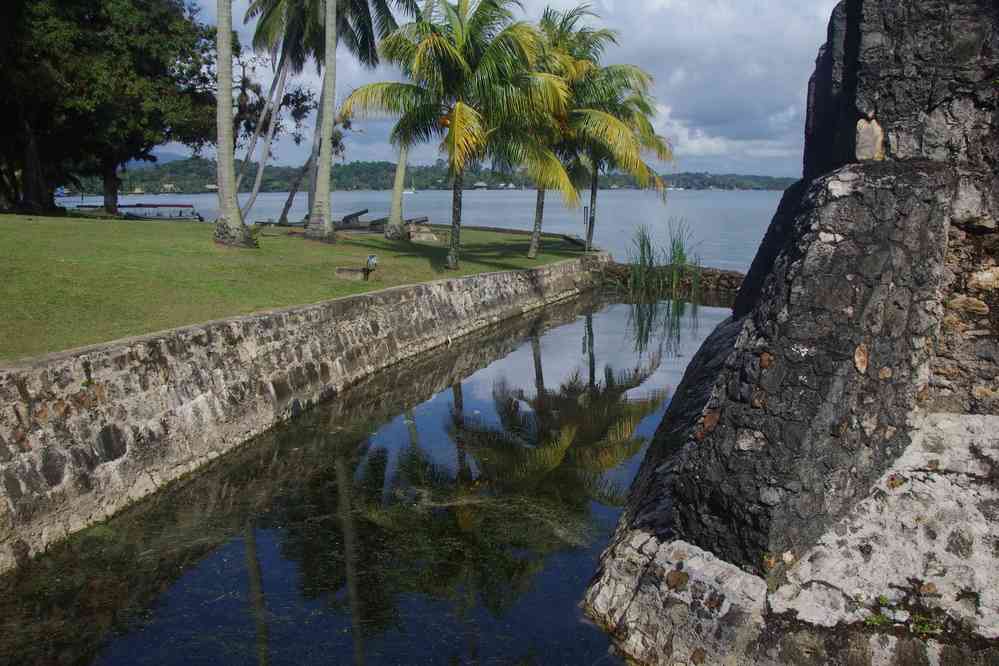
[(412, 189)]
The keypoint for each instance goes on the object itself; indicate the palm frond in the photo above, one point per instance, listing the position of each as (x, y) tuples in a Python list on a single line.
[(389, 97), (466, 136)]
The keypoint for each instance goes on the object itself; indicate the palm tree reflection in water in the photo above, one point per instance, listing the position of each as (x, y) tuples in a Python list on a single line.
[(476, 535)]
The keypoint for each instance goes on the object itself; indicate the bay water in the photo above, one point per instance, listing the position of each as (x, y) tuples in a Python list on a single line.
[(726, 226)]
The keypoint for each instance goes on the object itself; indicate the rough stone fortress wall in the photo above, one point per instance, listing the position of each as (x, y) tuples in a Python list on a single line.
[(84, 433), (830, 463)]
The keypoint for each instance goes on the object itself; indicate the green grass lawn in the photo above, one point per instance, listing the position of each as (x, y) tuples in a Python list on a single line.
[(69, 282)]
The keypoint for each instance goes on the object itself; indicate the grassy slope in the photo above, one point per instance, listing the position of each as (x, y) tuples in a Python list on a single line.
[(68, 282)]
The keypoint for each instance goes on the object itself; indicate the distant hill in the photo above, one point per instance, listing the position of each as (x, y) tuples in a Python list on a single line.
[(161, 158), (194, 175), (727, 181)]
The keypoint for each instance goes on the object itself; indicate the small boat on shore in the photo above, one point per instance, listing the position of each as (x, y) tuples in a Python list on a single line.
[(149, 211)]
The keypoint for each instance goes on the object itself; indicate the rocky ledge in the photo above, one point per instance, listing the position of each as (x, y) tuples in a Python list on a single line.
[(909, 571), (823, 488)]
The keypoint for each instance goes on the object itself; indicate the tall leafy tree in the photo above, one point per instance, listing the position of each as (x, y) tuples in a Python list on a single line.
[(229, 227), (147, 85), (95, 84), (471, 72)]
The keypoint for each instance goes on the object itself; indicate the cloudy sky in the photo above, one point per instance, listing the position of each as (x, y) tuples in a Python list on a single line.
[(730, 78)]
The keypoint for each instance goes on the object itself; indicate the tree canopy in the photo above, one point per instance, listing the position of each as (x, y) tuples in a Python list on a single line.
[(93, 84)]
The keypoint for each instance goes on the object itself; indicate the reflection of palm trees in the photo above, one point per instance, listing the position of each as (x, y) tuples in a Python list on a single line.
[(475, 536), (327, 531), (589, 348), (559, 444), (539, 371), (344, 483)]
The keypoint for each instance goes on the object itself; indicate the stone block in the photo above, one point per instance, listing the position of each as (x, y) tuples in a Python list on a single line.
[(870, 140)]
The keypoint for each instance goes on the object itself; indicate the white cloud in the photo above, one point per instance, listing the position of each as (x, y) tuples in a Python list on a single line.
[(693, 142), (730, 77)]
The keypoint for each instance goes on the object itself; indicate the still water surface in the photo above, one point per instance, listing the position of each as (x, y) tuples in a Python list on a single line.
[(727, 227), (450, 511)]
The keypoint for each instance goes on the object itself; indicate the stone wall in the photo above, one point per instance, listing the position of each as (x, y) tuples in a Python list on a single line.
[(827, 469), (85, 433)]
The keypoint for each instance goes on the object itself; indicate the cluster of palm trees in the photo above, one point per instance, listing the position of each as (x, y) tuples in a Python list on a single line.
[(479, 81)]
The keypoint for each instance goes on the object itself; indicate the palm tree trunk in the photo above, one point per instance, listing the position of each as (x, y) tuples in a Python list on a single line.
[(266, 152), (109, 175), (590, 352), (539, 216), (594, 185), (350, 554), (453, 255), (539, 372), (295, 185), (257, 595), (229, 228), (317, 141), (394, 230), (273, 102), (321, 218)]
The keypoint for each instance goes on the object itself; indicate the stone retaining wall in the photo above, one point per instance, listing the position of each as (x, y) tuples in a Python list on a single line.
[(85, 433)]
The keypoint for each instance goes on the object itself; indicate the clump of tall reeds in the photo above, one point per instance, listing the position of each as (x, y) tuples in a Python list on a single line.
[(664, 272), (661, 282)]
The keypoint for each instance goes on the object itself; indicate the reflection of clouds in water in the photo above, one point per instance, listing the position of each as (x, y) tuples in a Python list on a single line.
[(563, 355)]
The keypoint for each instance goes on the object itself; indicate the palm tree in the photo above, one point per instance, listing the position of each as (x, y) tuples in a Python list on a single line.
[(470, 70), (613, 130), (229, 228), (572, 51), (321, 215), (296, 29)]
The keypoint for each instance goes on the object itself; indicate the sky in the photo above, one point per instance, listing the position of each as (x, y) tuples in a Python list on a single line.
[(730, 79)]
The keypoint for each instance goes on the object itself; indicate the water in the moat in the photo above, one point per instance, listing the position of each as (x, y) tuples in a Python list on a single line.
[(451, 511)]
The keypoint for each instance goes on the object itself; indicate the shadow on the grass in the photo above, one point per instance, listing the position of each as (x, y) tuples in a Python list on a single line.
[(496, 255)]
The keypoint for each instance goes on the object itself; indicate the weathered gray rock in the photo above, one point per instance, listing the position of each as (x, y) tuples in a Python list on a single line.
[(925, 539), (871, 302), (918, 556), (690, 608), (799, 421), (923, 71)]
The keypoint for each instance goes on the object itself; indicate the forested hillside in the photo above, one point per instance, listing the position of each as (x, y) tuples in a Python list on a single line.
[(196, 175)]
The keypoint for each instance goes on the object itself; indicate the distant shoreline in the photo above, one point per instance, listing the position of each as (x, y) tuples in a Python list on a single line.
[(195, 175)]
